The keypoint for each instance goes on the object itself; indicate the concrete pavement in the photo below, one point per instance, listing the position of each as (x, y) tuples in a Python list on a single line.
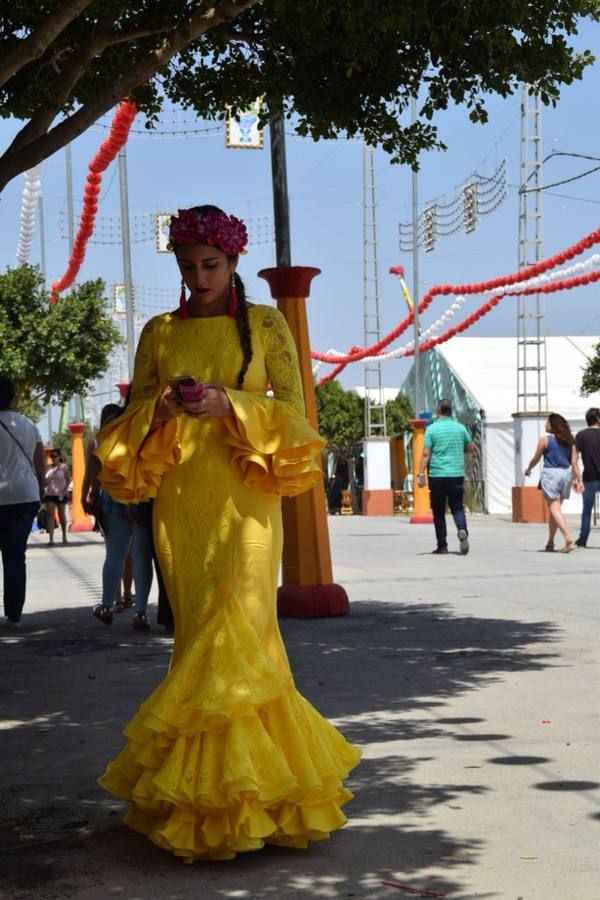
[(470, 682)]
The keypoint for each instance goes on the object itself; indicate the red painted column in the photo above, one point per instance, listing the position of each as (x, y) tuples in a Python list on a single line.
[(123, 387), (308, 590)]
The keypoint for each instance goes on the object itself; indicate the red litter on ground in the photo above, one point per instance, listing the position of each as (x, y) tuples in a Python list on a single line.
[(422, 892), (546, 721)]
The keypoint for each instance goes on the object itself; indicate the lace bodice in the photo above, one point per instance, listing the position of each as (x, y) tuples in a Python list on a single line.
[(210, 350)]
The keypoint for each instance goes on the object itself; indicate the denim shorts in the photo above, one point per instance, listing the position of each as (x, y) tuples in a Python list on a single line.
[(556, 483), (54, 498)]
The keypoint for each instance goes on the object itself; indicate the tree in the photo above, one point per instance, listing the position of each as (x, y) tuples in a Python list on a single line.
[(341, 420), (340, 415), (590, 383), (62, 440), (398, 415), (52, 352), (336, 65)]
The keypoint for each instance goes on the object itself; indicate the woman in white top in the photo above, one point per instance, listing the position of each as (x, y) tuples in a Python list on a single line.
[(22, 472)]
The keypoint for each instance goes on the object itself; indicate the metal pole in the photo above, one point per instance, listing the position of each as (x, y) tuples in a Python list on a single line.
[(415, 225), (70, 213), (281, 207), (71, 233), (129, 326), (43, 268)]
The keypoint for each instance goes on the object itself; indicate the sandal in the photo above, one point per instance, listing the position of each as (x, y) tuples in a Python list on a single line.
[(549, 548), (570, 545), (104, 613), (140, 623), (122, 604)]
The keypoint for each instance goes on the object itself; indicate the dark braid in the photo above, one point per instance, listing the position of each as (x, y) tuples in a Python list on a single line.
[(243, 324)]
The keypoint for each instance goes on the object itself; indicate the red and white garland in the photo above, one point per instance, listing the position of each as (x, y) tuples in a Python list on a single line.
[(532, 280), (119, 132), (31, 194)]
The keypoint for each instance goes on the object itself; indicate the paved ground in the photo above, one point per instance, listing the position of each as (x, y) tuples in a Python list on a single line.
[(470, 682)]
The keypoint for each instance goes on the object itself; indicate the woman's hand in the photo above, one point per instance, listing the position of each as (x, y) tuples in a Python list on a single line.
[(168, 406), (215, 402), (527, 473)]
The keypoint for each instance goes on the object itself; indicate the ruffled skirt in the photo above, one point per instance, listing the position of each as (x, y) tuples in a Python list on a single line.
[(218, 764)]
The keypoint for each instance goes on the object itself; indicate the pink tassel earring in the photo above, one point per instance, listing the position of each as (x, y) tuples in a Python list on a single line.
[(232, 296), (183, 307)]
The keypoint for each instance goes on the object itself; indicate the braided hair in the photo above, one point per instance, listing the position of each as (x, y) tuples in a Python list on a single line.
[(242, 321), (241, 316)]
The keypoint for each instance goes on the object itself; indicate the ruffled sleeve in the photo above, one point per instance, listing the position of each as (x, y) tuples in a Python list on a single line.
[(274, 447), (134, 459)]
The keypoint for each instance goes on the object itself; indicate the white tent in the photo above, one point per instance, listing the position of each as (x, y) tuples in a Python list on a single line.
[(486, 370)]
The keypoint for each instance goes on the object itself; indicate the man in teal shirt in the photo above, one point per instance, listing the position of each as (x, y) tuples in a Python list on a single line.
[(446, 442)]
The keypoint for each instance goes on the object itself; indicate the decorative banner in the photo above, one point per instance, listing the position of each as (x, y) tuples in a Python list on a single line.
[(120, 299), (161, 227), (244, 131), (399, 271), (119, 132), (31, 194)]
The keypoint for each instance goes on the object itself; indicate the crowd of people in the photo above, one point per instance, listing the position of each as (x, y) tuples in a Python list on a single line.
[(447, 443), (35, 483), (225, 755)]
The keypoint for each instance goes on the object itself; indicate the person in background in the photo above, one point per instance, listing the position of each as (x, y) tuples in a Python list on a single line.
[(58, 478), (587, 445), (446, 442), (22, 474), (334, 494), (90, 496), (557, 447), (126, 527)]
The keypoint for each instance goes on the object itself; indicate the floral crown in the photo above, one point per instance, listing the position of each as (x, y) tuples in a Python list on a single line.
[(217, 229)]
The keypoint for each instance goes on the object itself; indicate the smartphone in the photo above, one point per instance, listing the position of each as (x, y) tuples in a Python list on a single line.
[(186, 380), (187, 387)]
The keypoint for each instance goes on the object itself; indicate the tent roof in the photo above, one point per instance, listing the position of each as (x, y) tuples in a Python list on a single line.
[(487, 367)]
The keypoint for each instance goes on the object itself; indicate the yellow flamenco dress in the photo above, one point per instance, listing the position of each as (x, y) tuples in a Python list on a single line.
[(225, 755)]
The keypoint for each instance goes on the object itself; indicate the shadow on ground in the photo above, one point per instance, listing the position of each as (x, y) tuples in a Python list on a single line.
[(71, 683)]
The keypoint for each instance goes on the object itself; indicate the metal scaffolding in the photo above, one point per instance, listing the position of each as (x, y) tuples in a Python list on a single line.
[(532, 382), (374, 402)]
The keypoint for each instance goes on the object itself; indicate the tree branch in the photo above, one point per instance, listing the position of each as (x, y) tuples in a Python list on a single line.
[(21, 156), (242, 36), (64, 84), (36, 43), (62, 89), (125, 37)]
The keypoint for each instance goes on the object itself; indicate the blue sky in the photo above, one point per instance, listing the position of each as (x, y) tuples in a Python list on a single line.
[(325, 184)]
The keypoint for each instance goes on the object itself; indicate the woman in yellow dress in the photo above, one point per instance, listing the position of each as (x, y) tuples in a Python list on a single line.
[(225, 755)]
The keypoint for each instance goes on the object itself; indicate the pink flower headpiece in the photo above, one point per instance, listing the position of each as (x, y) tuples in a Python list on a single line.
[(217, 229)]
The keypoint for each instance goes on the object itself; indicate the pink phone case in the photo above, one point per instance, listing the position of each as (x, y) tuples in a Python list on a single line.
[(191, 393)]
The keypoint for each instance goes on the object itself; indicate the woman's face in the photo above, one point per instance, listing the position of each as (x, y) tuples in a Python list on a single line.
[(548, 426), (206, 272)]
